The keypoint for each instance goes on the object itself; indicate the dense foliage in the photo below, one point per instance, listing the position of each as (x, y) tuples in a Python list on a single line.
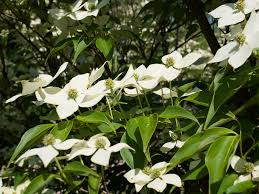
[(129, 96)]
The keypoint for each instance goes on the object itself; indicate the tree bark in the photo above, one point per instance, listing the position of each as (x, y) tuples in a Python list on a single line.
[(196, 7)]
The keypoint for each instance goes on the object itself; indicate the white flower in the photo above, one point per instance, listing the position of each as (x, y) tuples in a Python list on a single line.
[(99, 146), (176, 60), (233, 13), (29, 87), (171, 145), (18, 190), (240, 49), (141, 79), (48, 152), (73, 95), (166, 93), (154, 177), (91, 8), (249, 170)]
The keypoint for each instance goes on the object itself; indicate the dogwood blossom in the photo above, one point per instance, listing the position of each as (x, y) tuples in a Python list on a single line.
[(166, 93), (73, 95), (99, 146), (172, 144), (154, 177), (48, 152), (43, 80), (233, 13), (91, 8), (241, 47), (250, 171), (19, 189), (177, 61)]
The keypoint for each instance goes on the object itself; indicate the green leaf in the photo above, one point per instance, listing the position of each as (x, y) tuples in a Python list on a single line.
[(176, 112), (197, 173), (136, 159), (224, 87), (79, 169), (94, 183), (29, 138), (105, 45), (82, 45), (62, 130), (197, 143), (217, 159), (227, 182), (105, 128), (93, 117), (241, 187), (98, 118), (146, 125), (38, 183)]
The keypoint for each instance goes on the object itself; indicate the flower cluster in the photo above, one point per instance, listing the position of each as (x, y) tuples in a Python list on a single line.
[(82, 91), (244, 41), (98, 146)]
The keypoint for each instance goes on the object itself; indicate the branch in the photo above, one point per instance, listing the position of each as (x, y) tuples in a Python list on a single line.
[(196, 7)]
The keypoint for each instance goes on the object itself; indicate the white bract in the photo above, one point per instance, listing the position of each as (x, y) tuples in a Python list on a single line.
[(19, 189), (233, 13), (29, 87), (249, 171), (142, 78), (241, 47), (48, 152), (166, 93), (154, 177), (73, 95), (91, 8), (99, 146), (175, 62), (171, 145)]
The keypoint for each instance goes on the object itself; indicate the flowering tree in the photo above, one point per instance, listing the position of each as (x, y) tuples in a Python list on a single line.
[(138, 119)]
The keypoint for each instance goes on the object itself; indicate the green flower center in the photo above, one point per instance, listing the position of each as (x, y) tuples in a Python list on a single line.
[(100, 143), (248, 167), (241, 38), (147, 170), (109, 83), (72, 93), (155, 173), (136, 76), (48, 139), (91, 6), (170, 61), (240, 5)]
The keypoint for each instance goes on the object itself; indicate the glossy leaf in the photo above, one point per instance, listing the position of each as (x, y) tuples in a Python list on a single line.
[(225, 87), (136, 159), (177, 112), (62, 130), (29, 138), (227, 182), (197, 143), (38, 183), (79, 48), (241, 187), (218, 158), (145, 126), (105, 45), (94, 184), (197, 173), (79, 169)]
